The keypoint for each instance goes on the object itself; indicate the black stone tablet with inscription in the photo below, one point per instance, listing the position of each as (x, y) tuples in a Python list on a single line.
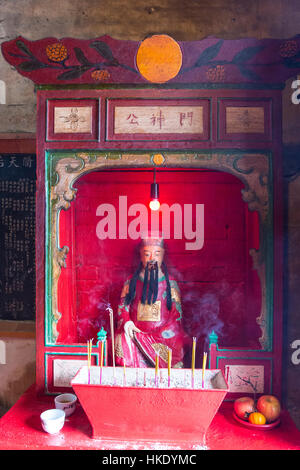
[(17, 236)]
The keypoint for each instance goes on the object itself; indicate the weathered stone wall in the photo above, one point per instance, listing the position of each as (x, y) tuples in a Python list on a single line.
[(182, 20), (16, 374)]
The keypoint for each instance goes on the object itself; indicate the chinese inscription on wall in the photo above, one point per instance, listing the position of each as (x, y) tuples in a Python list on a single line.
[(17, 237)]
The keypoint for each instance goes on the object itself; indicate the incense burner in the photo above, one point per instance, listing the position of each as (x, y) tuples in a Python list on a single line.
[(133, 405)]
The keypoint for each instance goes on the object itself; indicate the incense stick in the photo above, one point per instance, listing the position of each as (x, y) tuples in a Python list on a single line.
[(193, 360), (204, 367), (111, 318), (89, 355), (101, 361), (156, 368), (169, 366)]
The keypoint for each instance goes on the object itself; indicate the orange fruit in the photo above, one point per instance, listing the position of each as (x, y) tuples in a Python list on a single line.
[(257, 418), (57, 52)]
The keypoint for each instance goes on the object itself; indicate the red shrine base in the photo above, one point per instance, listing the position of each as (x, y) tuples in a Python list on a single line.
[(21, 430)]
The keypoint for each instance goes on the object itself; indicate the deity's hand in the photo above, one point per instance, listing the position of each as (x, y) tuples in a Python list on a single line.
[(130, 328)]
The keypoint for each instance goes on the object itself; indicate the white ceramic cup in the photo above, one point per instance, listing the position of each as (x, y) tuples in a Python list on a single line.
[(66, 402), (53, 420)]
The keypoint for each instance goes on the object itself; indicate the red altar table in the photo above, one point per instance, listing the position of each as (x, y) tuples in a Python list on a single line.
[(21, 430)]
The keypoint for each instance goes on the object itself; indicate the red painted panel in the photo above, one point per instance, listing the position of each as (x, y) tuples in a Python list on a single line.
[(211, 96), (66, 293), (212, 279)]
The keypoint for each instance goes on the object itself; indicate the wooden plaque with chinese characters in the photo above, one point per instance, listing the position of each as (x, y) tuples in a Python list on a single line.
[(160, 119), (17, 246)]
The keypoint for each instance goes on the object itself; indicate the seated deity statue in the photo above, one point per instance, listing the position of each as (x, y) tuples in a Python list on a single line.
[(149, 320)]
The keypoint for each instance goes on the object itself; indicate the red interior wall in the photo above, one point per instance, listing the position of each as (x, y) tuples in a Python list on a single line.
[(220, 290)]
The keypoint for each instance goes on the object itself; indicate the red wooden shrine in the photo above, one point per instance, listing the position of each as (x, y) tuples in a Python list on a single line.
[(213, 134)]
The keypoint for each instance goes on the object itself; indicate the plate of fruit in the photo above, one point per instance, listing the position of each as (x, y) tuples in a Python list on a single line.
[(263, 414)]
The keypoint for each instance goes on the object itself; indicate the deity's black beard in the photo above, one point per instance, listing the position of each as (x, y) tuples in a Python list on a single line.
[(150, 285)]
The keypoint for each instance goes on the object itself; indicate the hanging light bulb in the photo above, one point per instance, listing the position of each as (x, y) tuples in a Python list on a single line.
[(154, 203)]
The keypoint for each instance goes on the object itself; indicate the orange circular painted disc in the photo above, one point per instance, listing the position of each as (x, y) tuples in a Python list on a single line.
[(159, 58)]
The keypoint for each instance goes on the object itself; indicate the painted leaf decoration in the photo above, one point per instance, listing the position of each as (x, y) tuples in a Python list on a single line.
[(246, 54), (297, 56), (291, 63), (75, 72), (23, 48), (18, 55), (103, 49), (81, 57), (30, 66), (209, 53), (127, 67), (249, 74)]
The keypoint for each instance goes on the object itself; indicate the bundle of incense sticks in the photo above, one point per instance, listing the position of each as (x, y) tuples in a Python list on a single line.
[(204, 367), (193, 360), (89, 355)]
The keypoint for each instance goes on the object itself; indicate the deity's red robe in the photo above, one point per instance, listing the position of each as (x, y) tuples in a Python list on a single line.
[(160, 328)]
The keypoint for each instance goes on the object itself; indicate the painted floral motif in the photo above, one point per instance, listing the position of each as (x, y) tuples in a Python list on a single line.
[(216, 73), (100, 75), (246, 61), (57, 52), (221, 61), (158, 159), (288, 48), (73, 119), (241, 60)]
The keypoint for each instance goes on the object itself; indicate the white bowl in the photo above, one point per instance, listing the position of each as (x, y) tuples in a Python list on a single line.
[(66, 402), (53, 420)]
